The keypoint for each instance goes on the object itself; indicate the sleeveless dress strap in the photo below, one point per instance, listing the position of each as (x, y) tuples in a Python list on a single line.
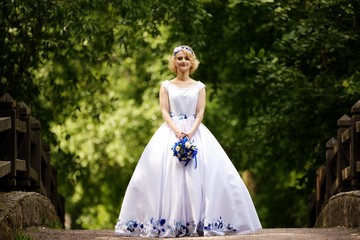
[(166, 84), (200, 85)]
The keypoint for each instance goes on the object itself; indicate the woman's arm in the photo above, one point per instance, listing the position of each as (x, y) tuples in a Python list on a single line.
[(200, 110), (165, 112)]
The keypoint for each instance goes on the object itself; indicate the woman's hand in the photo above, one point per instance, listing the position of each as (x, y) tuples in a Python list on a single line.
[(179, 134), (189, 135)]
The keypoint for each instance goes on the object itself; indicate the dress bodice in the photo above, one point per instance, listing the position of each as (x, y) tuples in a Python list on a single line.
[(183, 100)]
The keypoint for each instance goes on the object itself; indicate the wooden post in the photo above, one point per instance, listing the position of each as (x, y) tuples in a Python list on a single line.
[(320, 189), (355, 147), (343, 145), (25, 153), (36, 152), (331, 152)]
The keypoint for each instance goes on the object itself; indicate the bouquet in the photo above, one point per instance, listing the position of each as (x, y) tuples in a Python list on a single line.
[(185, 151)]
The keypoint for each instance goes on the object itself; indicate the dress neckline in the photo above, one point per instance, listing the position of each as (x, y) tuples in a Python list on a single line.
[(173, 85)]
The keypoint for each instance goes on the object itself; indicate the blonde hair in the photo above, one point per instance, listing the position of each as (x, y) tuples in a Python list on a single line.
[(189, 53)]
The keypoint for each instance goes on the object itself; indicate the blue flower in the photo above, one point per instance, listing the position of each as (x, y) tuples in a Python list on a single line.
[(185, 151)]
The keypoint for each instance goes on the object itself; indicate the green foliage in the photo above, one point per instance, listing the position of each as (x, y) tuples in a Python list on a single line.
[(21, 235), (105, 138), (54, 225), (278, 75)]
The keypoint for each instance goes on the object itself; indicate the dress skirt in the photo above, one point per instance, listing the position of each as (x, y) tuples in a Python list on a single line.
[(164, 198)]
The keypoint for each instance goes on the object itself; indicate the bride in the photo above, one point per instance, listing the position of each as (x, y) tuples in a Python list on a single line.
[(166, 198)]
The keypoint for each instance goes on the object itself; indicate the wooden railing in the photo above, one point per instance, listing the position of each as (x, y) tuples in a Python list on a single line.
[(24, 158), (342, 170)]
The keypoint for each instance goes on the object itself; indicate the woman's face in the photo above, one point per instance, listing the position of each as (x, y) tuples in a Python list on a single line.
[(182, 62)]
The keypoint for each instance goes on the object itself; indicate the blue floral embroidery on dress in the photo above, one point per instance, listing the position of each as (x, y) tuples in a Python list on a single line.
[(131, 225), (157, 226), (182, 116), (179, 228), (219, 225)]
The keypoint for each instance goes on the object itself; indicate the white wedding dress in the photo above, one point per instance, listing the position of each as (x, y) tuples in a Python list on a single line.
[(167, 199)]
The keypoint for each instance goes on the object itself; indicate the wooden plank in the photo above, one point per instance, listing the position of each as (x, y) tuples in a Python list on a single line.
[(335, 187), (345, 173), (358, 167), (33, 174), (5, 123), (357, 126), (43, 189), (5, 168), (20, 165), (335, 149), (320, 178), (20, 126), (345, 136), (45, 157), (34, 138)]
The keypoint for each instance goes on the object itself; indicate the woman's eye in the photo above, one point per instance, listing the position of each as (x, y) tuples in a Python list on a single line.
[(181, 58)]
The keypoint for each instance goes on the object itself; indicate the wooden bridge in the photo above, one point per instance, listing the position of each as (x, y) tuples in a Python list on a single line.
[(24, 157), (341, 172)]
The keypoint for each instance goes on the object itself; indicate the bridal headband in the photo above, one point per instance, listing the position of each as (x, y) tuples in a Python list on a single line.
[(178, 49)]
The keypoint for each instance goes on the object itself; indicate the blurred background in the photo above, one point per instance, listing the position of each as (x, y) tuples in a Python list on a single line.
[(279, 73)]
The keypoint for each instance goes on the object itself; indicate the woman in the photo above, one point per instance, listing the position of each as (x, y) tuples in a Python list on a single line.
[(206, 197)]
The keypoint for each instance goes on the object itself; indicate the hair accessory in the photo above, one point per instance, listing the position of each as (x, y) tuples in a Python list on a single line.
[(183, 47)]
